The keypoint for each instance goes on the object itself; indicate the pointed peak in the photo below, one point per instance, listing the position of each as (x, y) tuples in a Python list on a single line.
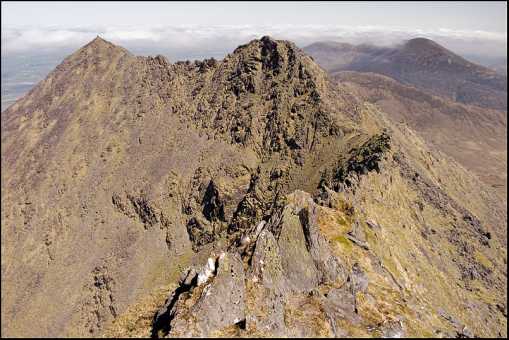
[(99, 42), (267, 39), (97, 49), (277, 56), (270, 44), (267, 44), (101, 47)]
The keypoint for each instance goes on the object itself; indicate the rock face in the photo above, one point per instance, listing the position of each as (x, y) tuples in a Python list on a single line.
[(260, 197)]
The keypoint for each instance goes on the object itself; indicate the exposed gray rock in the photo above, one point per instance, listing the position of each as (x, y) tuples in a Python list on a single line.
[(222, 302), (297, 263), (329, 267), (202, 308), (266, 264)]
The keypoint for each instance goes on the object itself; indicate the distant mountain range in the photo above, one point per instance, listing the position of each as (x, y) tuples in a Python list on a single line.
[(422, 63)]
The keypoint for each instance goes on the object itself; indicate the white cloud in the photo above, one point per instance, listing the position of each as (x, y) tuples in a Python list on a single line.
[(223, 39), (23, 40)]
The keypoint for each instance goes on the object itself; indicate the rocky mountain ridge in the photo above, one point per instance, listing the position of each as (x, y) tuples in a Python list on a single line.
[(139, 197)]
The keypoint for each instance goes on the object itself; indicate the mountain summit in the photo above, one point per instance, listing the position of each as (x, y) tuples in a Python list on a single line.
[(425, 45), (250, 196)]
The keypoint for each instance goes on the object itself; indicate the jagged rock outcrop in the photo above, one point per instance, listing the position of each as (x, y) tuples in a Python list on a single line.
[(306, 276), (291, 207)]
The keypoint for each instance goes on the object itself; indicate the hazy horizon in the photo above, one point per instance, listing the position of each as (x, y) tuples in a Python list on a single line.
[(215, 27)]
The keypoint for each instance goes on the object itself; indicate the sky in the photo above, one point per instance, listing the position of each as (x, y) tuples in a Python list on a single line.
[(484, 16), (208, 27)]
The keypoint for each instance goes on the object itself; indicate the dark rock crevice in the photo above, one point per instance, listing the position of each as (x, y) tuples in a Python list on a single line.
[(161, 324), (213, 207)]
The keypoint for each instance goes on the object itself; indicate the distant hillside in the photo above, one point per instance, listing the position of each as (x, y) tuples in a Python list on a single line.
[(476, 137), (498, 64), (422, 63)]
